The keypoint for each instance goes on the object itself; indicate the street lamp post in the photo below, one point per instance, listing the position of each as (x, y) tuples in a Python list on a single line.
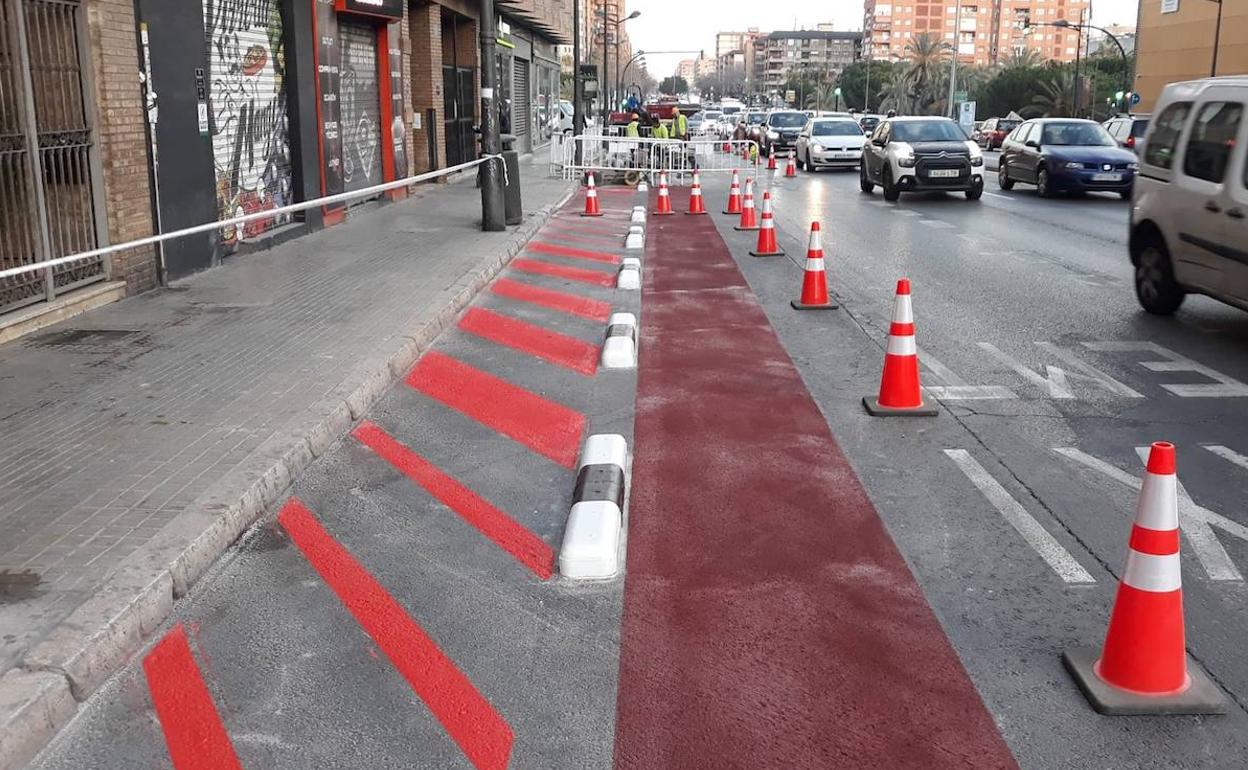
[(1126, 64), (1217, 34), (639, 55), (953, 64), (616, 24)]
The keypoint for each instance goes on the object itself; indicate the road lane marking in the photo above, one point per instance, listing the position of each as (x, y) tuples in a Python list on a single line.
[(999, 195), (1228, 454), (536, 267), (1056, 381), (480, 731), (938, 224), (956, 388), (553, 347), (1197, 522), (571, 252), (572, 304), (1044, 544), (504, 531), (1222, 387), (194, 734)]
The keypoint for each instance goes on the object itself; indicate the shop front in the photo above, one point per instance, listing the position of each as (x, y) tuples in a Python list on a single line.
[(528, 79), (359, 96)]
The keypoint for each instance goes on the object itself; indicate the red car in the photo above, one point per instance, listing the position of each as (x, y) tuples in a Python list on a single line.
[(994, 130)]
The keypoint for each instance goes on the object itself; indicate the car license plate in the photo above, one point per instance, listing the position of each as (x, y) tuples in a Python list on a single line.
[(1107, 177), (846, 154), (942, 172)]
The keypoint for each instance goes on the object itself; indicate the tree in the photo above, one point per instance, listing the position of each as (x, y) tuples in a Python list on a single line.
[(1010, 89), (822, 97), (853, 83), (927, 72), (1053, 99), (802, 81), (674, 84), (1027, 58)]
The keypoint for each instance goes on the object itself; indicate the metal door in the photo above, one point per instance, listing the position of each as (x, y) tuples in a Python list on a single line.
[(49, 199), (360, 97), (457, 111)]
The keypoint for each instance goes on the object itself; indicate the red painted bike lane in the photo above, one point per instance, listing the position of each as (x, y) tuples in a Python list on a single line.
[(769, 620)]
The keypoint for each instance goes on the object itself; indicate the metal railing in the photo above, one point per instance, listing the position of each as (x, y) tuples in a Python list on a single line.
[(366, 192), (632, 159)]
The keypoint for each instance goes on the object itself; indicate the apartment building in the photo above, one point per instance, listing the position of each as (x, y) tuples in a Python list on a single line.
[(786, 52), (987, 32), (1174, 42)]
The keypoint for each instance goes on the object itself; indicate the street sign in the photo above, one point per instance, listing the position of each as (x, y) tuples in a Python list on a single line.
[(966, 116), (959, 96), (790, 95)]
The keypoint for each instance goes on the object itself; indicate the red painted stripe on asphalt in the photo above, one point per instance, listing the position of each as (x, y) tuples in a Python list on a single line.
[(594, 310), (588, 240), (794, 639), (607, 230), (548, 428), (526, 547), (194, 735), (1158, 542), (555, 250), (482, 734), (558, 349), (594, 277)]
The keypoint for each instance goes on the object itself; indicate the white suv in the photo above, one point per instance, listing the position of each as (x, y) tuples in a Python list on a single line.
[(921, 154), (1189, 217)]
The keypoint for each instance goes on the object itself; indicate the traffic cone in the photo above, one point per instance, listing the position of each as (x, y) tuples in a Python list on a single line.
[(696, 206), (791, 168), (748, 220), (665, 199), (1144, 667), (771, 159), (767, 246), (899, 386), (815, 279), (591, 199), (745, 152), (734, 195), (727, 147)]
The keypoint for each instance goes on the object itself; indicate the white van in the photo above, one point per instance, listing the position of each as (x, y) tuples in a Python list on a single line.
[(1189, 216)]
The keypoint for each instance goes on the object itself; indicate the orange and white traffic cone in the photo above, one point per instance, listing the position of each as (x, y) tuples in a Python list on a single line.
[(591, 199), (1144, 667), (748, 220), (767, 246), (745, 152), (900, 393), (727, 147), (771, 158), (734, 195), (696, 206), (665, 198), (791, 168), (815, 278)]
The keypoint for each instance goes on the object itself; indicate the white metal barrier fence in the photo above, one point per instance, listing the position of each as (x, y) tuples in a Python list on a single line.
[(631, 159)]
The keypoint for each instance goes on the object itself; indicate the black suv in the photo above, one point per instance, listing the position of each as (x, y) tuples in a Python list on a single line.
[(780, 130)]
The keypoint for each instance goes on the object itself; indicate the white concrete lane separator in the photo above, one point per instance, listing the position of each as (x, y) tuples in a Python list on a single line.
[(629, 278), (636, 238), (619, 350), (639, 215), (591, 541)]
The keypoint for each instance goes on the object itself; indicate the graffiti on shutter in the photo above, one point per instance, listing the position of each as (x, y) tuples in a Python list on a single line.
[(360, 102), (247, 112)]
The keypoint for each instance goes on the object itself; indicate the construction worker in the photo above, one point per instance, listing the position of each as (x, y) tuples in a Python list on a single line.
[(660, 130), (633, 130), (680, 125)]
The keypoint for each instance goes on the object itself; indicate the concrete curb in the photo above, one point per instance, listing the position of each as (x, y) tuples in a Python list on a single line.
[(99, 638)]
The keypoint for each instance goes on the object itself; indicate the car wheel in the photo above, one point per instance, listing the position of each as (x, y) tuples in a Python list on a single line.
[(864, 181), (976, 192), (1155, 286), (1043, 188), (1003, 177), (891, 193)]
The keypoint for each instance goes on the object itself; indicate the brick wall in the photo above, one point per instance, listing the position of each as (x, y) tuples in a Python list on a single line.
[(425, 39), (121, 134)]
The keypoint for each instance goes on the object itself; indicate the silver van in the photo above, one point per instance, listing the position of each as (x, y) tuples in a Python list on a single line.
[(1189, 215)]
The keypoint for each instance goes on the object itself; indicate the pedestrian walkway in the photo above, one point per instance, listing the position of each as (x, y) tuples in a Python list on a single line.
[(151, 432)]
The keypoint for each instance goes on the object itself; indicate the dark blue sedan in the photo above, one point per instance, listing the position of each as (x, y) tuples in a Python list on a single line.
[(1065, 155)]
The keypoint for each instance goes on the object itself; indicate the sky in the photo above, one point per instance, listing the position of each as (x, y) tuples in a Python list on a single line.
[(675, 25)]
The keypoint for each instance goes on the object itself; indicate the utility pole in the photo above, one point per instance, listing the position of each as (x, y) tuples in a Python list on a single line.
[(492, 211), (578, 112), (1217, 34), (953, 65), (1078, 51)]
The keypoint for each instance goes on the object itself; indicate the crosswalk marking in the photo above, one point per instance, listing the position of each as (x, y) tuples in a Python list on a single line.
[(1057, 557), (1228, 454)]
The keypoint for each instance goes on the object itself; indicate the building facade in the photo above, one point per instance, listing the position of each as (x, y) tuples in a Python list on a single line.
[(1174, 42), (806, 51), (241, 106), (986, 33)]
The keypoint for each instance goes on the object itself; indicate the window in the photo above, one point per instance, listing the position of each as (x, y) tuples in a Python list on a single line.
[(1160, 149), (1211, 141)]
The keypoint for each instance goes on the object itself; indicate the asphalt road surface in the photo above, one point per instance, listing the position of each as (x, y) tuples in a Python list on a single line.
[(401, 611)]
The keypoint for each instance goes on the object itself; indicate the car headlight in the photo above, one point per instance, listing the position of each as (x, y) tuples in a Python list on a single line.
[(816, 147), (772, 135), (1072, 164), (977, 160), (906, 161), (1133, 166)]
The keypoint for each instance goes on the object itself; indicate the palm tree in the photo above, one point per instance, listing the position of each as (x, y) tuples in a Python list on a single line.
[(1054, 99), (821, 97), (1027, 57), (929, 57)]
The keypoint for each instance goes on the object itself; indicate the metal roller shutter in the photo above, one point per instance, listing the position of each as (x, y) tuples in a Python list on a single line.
[(247, 111), (520, 100), (360, 100)]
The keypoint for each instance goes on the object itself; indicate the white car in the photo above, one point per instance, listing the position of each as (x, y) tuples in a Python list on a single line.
[(830, 143), (921, 154), (1188, 231)]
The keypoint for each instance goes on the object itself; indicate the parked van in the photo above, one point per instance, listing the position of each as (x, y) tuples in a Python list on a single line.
[(1189, 216)]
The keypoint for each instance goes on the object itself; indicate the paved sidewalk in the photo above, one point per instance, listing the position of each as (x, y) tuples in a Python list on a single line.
[(142, 438)]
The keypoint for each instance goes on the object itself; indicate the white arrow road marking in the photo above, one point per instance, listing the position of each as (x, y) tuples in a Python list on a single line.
[(1057, 557), (1057, 381), (956, 388), (1228, 454), (1195, 521), (1221, 387)]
